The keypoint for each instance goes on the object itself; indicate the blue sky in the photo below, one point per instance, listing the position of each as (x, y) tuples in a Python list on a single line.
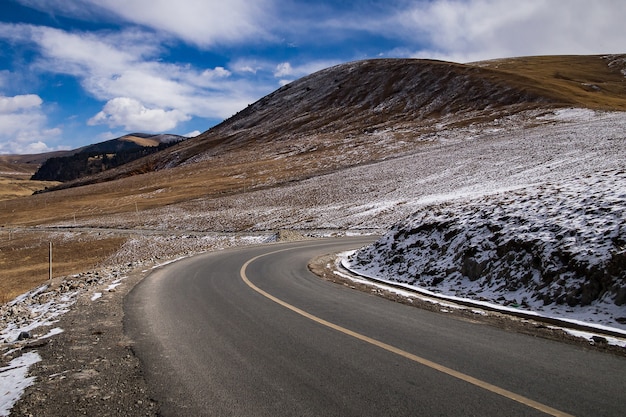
[(75, 72)]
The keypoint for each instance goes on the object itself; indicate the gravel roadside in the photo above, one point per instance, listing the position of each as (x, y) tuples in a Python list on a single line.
[(90, 368)]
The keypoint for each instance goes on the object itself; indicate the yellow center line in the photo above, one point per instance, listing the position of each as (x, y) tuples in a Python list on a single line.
[(433, 365)]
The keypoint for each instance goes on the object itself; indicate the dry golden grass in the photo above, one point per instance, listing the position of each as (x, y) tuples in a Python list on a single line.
[(596, 82), (24, 257), (141, 141), (14, 165), (13, 186), (15, 174)]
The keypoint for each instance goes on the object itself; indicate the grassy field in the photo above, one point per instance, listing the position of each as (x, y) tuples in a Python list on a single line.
[(595, 82), (24, 257), (13, 186), (15, 174)]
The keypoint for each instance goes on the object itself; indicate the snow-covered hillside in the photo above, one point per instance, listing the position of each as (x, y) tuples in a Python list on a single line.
[(507, 154), (557, 248)]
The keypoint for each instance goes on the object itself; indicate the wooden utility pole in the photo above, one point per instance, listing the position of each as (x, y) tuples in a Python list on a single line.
[(50, 263)]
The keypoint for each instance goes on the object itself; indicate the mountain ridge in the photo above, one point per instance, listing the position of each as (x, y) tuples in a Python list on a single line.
[(372, 94), (358, 99), (102, 156), (311, 125)]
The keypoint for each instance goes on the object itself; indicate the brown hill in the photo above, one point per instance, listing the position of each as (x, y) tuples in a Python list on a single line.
[(101, 156), (21, 175), (350, 104)]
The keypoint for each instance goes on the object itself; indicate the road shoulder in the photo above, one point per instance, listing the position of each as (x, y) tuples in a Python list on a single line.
[(90, 368), (325, 267)]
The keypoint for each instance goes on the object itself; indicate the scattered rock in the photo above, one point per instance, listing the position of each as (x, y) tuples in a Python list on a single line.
[(23, 336), (80, 377), (599, 340)]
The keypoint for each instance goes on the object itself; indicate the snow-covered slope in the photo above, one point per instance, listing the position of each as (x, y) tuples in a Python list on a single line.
[(557, 247)]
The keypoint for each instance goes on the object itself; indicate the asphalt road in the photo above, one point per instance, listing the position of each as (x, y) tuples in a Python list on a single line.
[(251, 332)]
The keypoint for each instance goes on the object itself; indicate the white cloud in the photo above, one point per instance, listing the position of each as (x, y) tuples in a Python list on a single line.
[(18, 103), (481, 29), (33, 148), (283, 69), (134, 116), (218, 72), (288, 73), (247, 66), (192, 134), (201, 22), (23, 126), (466, 30), (127, 64), (104, 136)]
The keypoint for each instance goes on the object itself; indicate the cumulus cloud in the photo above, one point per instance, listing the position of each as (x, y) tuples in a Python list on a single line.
[(216, 73), (247, 66), (283, 69), (19, 103), (134, 116), (287, 73), (192, 134), (23, 126)]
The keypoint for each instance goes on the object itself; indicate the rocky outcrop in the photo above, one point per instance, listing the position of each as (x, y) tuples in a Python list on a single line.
[(562, 244)]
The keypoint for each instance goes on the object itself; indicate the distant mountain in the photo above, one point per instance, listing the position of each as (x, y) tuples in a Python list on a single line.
[(102, 156), (130, 142), (26, 164)]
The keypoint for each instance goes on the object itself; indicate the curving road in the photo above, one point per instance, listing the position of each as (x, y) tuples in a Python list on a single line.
[(251, 332)]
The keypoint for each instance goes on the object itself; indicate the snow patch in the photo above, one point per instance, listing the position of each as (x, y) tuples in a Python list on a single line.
[(52, 332), (14, 380), (593, 337)]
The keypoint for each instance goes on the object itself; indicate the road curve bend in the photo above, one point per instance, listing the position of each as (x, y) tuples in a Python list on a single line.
[(251, 332)]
